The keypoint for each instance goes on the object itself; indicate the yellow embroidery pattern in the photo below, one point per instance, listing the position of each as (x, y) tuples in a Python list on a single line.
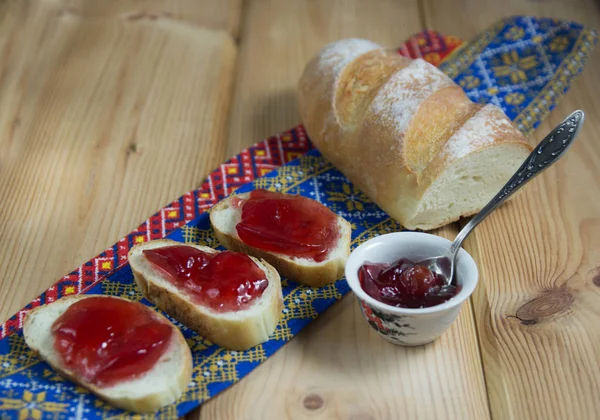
[(32, 405), (515, 66)]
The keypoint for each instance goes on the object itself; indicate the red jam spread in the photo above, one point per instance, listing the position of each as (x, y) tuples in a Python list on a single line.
[(405, 284), (105, 340), (223, 281), (288, 224)]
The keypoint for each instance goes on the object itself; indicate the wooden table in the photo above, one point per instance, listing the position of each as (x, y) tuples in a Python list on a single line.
[(112, 109)]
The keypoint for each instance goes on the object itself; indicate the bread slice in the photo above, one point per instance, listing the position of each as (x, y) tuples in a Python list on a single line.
[(160, 386), (224, 217), (239, 330)]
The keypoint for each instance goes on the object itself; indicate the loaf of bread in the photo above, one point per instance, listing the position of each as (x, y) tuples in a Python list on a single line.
[(405, 134), (235, 330), (163, 384)]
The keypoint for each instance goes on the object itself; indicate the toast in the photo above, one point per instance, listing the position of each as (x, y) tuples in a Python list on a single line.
[(224, 217), (163, 384), (236, 330)]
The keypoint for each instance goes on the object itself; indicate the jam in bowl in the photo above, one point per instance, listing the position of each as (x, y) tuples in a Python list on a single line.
[(405, 284), (404, 301)]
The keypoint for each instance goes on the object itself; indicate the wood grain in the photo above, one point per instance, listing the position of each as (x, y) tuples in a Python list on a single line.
[(222, 14), (539, 298), (337, 367), (537, 310), (102, 122)]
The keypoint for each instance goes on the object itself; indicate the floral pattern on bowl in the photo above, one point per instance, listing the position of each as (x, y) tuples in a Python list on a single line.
[(391, 327)]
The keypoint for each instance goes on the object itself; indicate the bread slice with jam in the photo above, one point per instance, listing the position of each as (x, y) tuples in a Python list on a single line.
[(161, 383), (205, 311), (226, 217)]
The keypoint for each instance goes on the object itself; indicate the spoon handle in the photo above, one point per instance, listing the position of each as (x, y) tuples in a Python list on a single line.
[(548, 151)]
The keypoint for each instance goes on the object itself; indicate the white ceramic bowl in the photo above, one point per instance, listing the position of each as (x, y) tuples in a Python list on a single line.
[(406, 326)]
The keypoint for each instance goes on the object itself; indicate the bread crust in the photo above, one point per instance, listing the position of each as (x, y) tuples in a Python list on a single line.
[(147, 404), (313, 275), (247, 330), (392, 125)]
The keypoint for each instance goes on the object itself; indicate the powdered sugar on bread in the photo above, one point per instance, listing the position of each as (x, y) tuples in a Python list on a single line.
[(479, 131), (334, 57), (399, 98)]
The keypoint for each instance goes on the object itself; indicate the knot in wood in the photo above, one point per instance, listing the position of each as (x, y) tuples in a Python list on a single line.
[(545, 306), (313, 402), (596, 280)]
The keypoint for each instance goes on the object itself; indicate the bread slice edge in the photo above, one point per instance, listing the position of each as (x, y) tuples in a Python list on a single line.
[(161, 386), (233, 330)]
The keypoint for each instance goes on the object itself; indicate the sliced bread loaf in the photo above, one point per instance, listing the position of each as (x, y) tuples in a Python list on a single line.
[(161, 385), (234, 330), (406, 134)]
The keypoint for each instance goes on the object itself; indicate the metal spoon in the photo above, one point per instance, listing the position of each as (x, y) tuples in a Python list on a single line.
[(548, 151)]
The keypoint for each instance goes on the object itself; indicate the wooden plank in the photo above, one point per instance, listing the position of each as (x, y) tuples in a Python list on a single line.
[(538, 305), (222, 14), (337, 367), (102, 122)]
